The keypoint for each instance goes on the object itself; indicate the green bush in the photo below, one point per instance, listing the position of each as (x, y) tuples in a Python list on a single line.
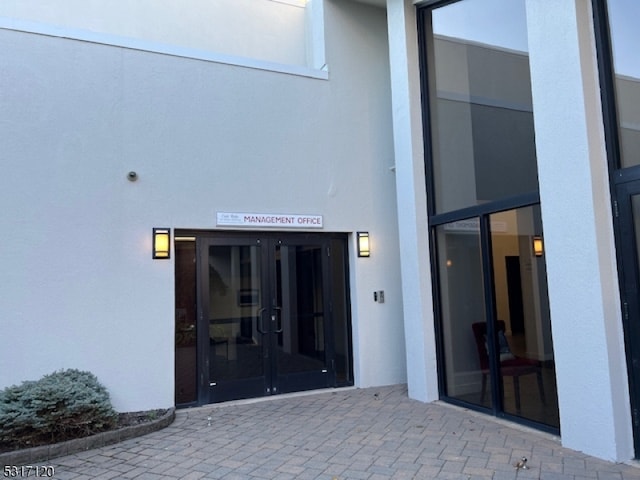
[(63, 405)]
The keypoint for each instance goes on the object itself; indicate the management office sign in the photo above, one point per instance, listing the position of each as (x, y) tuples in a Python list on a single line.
[(272, 220)]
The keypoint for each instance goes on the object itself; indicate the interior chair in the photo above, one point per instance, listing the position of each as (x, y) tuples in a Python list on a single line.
[(510, 365)]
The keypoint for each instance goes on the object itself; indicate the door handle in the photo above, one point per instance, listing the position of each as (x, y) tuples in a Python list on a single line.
[(259, 321), (277, 318)]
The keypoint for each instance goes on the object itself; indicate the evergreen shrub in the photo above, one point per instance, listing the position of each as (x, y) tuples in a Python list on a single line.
[(60, 406)]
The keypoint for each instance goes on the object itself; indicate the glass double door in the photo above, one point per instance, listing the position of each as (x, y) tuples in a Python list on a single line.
[(495, 343), (265, 325)]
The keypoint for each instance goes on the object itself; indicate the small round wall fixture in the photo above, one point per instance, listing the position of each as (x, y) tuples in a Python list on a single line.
[(132, 176)]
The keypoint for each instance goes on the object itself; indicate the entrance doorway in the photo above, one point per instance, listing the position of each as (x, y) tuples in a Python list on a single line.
[(270, 316)]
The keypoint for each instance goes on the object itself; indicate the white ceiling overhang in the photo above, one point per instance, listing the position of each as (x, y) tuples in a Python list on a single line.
[(383, 3), (377, 3)]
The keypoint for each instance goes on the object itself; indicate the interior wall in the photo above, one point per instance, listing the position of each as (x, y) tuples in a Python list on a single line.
[(503, 246)]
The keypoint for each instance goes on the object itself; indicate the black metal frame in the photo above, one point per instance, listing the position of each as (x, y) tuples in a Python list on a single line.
[(252, 389), (624, 183), (482, 212)]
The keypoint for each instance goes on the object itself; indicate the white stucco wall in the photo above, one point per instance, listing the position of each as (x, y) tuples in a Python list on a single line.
[(378, 330), (79, 288), (261, 29), (422, 374), (593, 391)]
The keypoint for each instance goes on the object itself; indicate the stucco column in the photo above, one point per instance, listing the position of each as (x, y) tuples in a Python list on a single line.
[(411, 201), (593, 390)]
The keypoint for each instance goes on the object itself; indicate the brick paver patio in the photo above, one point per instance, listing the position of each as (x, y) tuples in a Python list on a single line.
[(372, 434)]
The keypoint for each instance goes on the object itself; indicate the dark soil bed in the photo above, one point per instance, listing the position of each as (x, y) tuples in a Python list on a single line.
[(127, 419)]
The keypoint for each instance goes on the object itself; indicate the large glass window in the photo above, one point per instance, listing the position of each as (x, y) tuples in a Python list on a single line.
[(463, 306), (482, 136), (495, 347), (523, 325), (625, 38)]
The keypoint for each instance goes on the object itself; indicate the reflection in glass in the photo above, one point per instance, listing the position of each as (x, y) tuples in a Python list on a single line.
[(496, 330), (481, 114), (340, 313), (462, 306), (235, 320), (185, 340), (635, 210), (300, 316), (523, 327), (625, 38)]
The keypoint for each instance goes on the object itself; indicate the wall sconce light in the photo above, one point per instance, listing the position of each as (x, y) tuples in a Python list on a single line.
[(538, 247), (161, 243), (363, 244)]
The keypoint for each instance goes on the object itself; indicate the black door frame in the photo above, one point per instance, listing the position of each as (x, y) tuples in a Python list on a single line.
[(629, 278), (623, 184), (292, 382), (272, 382), (243, 388)]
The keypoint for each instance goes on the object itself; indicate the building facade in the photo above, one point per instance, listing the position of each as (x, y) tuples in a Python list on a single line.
[(247, 198)]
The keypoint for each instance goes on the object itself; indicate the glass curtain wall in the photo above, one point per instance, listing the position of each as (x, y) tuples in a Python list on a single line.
[(523, 325), (481, 118), (495, 346), (462, 305), (625, 37)]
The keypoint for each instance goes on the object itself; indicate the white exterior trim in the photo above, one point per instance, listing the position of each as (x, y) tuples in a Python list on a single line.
[(161, 48), (422, 373), (593, 390)]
